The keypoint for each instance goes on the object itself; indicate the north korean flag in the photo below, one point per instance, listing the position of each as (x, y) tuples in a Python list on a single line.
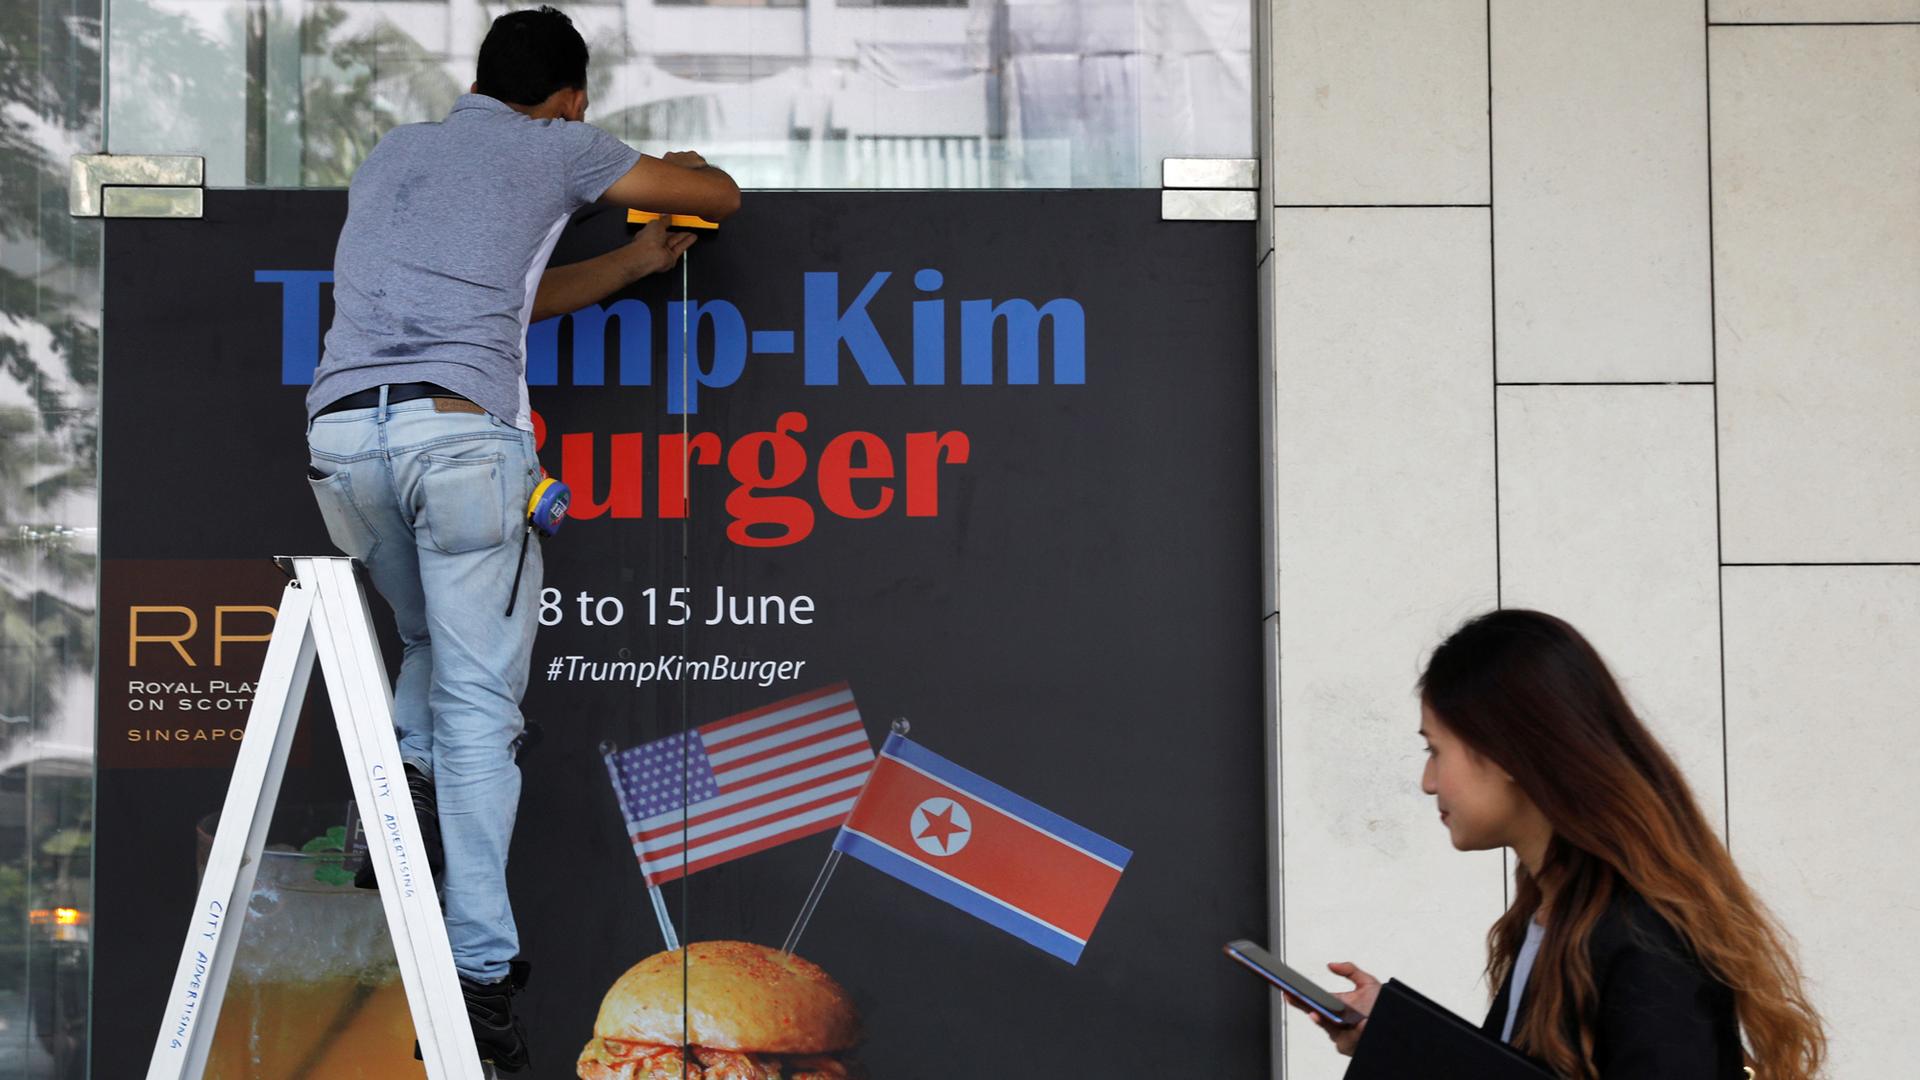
[(983, 849)]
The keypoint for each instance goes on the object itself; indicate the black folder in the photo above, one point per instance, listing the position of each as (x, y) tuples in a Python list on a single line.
[(1411, 1038)]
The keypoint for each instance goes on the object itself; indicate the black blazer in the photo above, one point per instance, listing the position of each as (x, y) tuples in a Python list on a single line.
[(1662, 1016)]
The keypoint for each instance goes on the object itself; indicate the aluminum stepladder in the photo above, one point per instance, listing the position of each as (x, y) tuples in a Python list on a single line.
[(323, 614)]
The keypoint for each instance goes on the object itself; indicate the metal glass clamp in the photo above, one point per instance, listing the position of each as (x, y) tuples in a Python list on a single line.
[(1209, 189), (136, 185)]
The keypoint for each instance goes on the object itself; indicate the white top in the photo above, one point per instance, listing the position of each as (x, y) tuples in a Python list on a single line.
[(1522, 967)]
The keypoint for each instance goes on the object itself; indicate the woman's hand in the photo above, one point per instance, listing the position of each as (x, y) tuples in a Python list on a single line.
[(1366, 990)]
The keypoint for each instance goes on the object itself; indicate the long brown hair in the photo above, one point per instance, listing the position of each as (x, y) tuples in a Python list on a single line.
[(1526, 691)]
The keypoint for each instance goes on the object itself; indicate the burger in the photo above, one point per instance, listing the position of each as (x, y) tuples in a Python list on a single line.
[(755, 1014)]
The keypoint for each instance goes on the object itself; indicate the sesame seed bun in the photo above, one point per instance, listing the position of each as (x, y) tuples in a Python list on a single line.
[(745, 998)]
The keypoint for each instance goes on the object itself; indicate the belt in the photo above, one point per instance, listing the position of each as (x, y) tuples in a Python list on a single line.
[(396, 393)]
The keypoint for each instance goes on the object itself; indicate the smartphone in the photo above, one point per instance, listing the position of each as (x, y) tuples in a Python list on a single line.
[(1261, 962)]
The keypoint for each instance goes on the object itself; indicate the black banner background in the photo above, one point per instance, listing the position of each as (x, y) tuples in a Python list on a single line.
[(1080, 623)]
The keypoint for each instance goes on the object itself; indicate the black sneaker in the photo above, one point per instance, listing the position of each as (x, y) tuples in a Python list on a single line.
[(426, 811), (497, 1033)]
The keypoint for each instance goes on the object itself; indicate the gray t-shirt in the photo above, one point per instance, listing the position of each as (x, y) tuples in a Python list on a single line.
[(449, 226)]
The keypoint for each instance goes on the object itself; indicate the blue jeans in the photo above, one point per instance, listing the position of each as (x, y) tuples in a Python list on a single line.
[(434, 504)]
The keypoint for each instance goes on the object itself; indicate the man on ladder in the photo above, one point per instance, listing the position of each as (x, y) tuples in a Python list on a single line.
[(421, 440)]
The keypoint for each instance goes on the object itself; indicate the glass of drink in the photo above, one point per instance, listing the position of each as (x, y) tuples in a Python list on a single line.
[(315, 992)]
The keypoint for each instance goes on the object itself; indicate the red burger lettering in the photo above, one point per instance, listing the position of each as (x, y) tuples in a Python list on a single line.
[(780, 488), (790, 516), (838, 472)]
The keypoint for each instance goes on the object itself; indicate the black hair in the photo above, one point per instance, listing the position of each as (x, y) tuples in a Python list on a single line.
[(1529, 693), (527, 55)]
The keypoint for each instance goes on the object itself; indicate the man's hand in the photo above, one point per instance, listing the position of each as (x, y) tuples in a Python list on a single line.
[(1366, 990), (686, 159), (568, 288), (655, 248)]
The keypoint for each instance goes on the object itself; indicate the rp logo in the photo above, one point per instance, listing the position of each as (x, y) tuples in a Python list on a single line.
[(941, 827)]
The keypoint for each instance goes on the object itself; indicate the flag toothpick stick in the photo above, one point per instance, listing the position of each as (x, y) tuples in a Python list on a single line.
[(660, 913), (813, 901), (607, 752), (899, 727)]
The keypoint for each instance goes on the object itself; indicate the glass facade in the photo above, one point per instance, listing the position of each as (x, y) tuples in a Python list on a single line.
[(50, 99), (808, 94), (783, 93)]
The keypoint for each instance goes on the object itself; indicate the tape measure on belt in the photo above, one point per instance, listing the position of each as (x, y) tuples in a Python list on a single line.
[(546, 512), (547, 507)]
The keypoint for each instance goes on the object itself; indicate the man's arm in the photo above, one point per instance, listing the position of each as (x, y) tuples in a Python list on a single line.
[(680, 183), (574, 286)]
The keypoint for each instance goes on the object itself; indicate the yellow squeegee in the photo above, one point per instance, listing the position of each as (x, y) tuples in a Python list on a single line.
[(674, 221)]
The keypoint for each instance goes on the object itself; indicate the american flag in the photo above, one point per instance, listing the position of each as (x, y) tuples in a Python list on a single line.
[(755, 780)]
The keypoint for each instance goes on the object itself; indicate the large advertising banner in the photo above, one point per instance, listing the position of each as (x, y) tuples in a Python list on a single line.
[(912, 582)]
